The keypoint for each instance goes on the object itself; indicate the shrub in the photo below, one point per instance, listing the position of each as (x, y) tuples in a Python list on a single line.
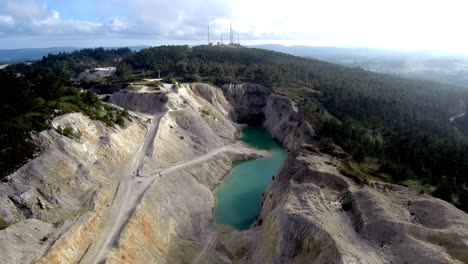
[(463, 199), (326, 144), (120, 121), (24, 206), (173, 81), (346, 204), (3, 224), (398, 172), (164, 98), (444, 191), (196, 78), (205, 112), (68, 132)]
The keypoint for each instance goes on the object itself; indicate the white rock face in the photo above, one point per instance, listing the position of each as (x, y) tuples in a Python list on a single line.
[(68, 178), (149, 103), (22, 242)]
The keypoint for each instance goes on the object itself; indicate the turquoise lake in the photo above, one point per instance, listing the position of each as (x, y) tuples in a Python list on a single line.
[(239, 198)]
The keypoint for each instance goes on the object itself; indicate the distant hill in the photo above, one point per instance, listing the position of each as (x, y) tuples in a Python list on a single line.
[(335, 54), (8, 56), (449, 69)]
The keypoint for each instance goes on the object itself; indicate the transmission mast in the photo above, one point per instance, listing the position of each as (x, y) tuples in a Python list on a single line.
[(231, 36), (208, 34)]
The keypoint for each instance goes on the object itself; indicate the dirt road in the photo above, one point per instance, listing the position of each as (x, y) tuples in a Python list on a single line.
[(122, 205), (457, 116)]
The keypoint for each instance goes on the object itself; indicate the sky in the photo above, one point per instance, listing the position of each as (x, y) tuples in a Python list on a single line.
[(429, 25)]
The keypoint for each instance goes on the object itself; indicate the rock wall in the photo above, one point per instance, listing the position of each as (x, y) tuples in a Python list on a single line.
[(285, 123), (248, 101), (149, 103)]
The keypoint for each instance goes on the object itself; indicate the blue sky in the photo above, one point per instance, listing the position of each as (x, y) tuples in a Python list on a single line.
[(75, 10), (422, 25)]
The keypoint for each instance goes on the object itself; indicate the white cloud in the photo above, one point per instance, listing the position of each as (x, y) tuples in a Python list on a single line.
[(6, 21), (118, 24), (24, 9), (415, 24)]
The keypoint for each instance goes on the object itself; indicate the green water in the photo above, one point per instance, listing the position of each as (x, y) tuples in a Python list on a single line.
[(238, 200)]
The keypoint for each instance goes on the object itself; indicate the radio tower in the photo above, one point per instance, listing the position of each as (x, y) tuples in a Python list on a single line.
[(208, 34), (231, 36), (221, 38)]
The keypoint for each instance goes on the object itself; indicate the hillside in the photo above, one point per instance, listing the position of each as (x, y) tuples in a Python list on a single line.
[(434, 66), (32, 54)]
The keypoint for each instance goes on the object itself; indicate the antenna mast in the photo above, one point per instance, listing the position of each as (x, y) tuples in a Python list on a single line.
[(230, 34), (208, 34), (221, 38)]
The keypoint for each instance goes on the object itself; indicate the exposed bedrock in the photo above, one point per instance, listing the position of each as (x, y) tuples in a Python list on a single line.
[(248, 101), (149, 103)]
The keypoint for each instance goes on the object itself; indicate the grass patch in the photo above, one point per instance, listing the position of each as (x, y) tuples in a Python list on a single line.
[(68, 132), (205, 112), (354, 171), (418, 186), (368, 169), (148, 83)]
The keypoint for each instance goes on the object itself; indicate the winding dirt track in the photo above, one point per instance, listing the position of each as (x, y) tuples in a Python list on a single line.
[(456, 116), (121, 208)]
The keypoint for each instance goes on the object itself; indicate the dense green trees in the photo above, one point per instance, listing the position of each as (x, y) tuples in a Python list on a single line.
[(123, 71)]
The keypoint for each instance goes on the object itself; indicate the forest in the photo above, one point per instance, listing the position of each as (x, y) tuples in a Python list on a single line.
[(403, 123)]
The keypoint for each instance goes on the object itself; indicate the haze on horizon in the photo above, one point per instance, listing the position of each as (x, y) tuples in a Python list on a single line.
[(431, 25)]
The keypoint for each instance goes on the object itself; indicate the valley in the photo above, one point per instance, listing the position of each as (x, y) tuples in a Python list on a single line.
[(159, 205)]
